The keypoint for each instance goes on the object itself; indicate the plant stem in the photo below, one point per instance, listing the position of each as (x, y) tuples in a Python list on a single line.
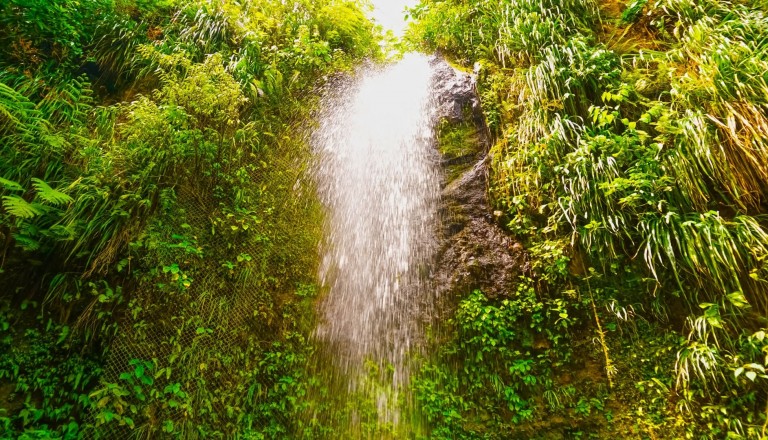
[(601, 333), (765, 425)]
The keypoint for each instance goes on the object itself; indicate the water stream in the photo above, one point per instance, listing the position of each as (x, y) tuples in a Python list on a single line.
[(378, 177)]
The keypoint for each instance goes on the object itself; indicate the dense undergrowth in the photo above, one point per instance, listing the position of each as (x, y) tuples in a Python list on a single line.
[(158, 232), (157, 229), (630, 157)]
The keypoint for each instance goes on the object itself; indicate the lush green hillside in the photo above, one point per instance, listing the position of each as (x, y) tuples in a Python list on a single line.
[(158, 230), (156, 251), (630, 158)]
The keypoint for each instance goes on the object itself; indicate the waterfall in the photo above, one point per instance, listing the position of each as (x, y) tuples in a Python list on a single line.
[(378, 176)]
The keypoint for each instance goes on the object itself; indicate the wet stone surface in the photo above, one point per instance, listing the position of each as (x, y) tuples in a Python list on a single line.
[(456, 93), (474, 252)]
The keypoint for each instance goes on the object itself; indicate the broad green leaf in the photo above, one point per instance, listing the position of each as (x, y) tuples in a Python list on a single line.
[(738, 300)]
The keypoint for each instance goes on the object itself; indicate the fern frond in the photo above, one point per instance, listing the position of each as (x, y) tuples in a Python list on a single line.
[(10, 185), (67, 103), (62, 232), (27, 243), (21, 208), (14, 107), (50, 195)]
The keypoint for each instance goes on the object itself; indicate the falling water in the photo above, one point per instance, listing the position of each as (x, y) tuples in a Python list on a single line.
[(378, 178)]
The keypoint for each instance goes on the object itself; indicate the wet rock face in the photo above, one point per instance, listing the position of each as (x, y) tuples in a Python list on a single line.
[(474, 252), (456, 93)]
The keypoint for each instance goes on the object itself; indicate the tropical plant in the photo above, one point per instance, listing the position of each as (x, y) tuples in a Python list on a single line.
[(650, 160)]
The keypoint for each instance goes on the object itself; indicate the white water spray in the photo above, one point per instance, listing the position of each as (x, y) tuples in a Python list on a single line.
[(378, 176)]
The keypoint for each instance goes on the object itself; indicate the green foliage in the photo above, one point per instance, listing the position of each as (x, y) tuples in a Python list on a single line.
[(148, 186), (633, 10), (49, 394), (508, 33), (651, 161), (37, 32), (498, 355), (344, 25), (456, 143)]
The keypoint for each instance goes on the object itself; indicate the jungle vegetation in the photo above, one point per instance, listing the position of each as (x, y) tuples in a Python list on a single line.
[(630, 151), (149, 157)]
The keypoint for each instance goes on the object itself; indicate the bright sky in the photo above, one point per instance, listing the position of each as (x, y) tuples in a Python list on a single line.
[(389, 13)]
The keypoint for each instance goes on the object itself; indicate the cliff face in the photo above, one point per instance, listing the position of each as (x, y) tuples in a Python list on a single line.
[(474, 253)]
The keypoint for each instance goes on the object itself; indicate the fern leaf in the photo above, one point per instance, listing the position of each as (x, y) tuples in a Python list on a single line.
[(26, 243), (9, 103), (20, 208), (10, 185), (50, 195), (63, 232)]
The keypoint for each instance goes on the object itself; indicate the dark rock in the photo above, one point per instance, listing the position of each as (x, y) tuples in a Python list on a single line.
[(474, 252)]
